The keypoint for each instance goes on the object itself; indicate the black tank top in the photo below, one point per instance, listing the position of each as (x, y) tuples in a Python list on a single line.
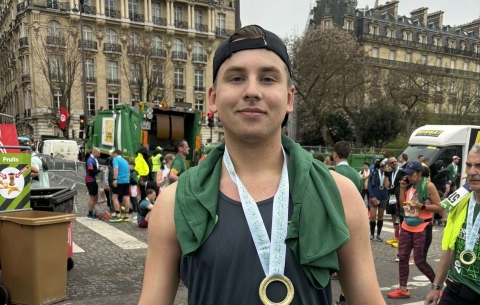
[(226, 268)]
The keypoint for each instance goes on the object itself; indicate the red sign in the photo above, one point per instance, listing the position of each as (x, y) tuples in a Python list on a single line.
[(62, 121), (8, 137)]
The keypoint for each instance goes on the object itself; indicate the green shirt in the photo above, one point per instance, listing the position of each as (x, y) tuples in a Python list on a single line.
[(178, 165), (352, 174), (466, 275), (143, 206), (452, 172)]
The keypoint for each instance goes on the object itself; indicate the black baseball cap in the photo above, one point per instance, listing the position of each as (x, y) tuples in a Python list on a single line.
[(269, 41)]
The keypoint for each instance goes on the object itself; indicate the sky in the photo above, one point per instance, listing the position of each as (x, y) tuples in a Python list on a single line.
[(287, 17)]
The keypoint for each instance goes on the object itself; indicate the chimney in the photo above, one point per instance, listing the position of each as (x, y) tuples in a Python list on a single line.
[(472, 26), (390, 7), (436, 18), (420, 14)]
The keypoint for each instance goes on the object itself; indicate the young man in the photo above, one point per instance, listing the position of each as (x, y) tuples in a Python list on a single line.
[(91, 181), (146, 205), (458, 268), (179, 165), (201, 226), (121, 185), (378, 185), (452, 174), (394, 177), (341, 152)]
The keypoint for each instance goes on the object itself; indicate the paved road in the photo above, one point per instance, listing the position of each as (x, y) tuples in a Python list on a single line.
[(109, 262)]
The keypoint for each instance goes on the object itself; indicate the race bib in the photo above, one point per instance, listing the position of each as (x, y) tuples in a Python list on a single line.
[(392, 200), (453, 199)]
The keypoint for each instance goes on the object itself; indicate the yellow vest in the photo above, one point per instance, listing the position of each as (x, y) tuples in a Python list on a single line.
[(156, 162)]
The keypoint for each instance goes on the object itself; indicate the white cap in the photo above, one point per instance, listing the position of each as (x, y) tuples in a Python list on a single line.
[(455, 157)]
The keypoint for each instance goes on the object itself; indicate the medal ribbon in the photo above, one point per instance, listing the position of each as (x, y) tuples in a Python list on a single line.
[(394, 175), (472, 228), (381, 176), (272, 254)]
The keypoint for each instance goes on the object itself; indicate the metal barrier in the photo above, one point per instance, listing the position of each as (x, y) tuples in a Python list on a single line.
[(355, 150)]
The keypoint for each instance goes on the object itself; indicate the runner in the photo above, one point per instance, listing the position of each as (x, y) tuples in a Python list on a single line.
[(378, 189), (202, 223)]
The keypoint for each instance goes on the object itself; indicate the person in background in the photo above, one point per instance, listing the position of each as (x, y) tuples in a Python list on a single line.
[(133, 187), (141, 162), (120, 187), (378, 186), (162, 174), (320, 158), (93, 168), (42, 178), (451, 183), (156, 160), (146, 205), (329, 161), (365, 173), (402, 160), (144, 185), (179, 166), (426, 161)]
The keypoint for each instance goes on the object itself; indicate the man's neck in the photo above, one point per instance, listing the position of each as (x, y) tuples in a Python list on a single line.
[(340, 161), (477, 196), (182, 155)]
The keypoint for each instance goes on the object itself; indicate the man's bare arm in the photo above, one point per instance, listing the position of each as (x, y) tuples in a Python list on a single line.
[(173, 175), (441, 275), (355, 257), (160, 282)]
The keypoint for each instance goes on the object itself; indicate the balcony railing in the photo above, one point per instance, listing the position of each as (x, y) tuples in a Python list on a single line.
[(91, 79), (201, 27), (199, 58), (181, 24), (113, 81), (199, 88), (89, 10), (159, 21), (223, 32), (179, 55), (88, 44), (178, 87), (56, 41), (134, 82), (113, 13), (112, 48), (136, 17), (134, 50), (160, 53), (20, 7), (23, 42), (50, 4)]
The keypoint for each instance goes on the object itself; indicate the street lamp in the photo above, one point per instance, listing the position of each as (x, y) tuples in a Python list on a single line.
[(84, 73)]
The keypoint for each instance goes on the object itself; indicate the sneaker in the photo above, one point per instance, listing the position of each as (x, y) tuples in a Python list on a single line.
[(125, 219), (397, 259), (371, 237), (379, 238), (91, 217), (399, 294), (411, 262), (395, 244), (391, 241), (115, 219)]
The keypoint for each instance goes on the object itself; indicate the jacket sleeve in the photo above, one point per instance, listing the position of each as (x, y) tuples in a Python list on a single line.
[(92, 167), (370, 188)]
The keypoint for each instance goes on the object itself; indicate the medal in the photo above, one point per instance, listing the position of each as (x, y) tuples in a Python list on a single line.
[(471, 233), (394, 175), (271, 253), (381, 176)]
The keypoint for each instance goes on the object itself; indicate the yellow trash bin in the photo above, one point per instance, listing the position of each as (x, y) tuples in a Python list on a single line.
[(33, 253)]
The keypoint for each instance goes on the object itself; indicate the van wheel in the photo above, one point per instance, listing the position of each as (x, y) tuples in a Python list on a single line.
[(69, 264), (3, 295)]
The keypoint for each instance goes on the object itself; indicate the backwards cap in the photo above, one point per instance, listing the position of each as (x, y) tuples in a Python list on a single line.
[(269, 41)]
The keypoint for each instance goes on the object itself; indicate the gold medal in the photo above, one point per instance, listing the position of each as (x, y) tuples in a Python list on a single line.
[(262, 290), (381, 187), (470, 262)]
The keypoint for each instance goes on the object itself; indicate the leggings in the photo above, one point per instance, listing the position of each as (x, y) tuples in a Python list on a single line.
[(419, 242)]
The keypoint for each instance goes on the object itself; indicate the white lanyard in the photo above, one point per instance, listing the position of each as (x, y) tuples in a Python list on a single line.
[(472, 228), (271, 254), (381, 176), (394, 175)]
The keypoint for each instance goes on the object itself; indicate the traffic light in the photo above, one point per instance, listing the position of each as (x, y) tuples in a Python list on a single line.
[(210, 120), (82, 122)]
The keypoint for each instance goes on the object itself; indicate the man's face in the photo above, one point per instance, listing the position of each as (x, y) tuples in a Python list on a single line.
[(420, 159), (392, 162), (251, 95), (96, 153), (152, 197), (185, 149), (455, 161), (365, 167), (472, 169)]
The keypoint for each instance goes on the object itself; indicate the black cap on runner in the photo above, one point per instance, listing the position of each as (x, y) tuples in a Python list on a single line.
[(269, 41)]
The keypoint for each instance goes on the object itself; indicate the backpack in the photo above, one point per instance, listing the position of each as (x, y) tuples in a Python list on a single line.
[(44, 162)]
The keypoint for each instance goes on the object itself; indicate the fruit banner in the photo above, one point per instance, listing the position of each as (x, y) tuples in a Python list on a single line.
[(14, 181)]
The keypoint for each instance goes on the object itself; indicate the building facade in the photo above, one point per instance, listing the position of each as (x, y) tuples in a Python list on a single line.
[(135, 50)]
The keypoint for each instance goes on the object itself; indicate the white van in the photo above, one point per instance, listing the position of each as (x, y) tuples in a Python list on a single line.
[(67, 149), (440, 143)]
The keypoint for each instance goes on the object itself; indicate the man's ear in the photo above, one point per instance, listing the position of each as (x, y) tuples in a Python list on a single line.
[(212, 99), (291, 99)]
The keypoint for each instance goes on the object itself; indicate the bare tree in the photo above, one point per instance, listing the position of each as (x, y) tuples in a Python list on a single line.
[(329, 73), (10, 72), (58, 60)]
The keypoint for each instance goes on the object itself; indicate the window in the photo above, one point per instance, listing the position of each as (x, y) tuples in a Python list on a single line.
[(478, 68), (375, 52), (424, 59), (179, 100), (156, 13), (439, 88), (90, 69), (221, 20), (57, 96), (177, 11), (408, 57), (198, 48), (452, 87), (54, 28), (112, 99), (465, 66), (109, 7), (453, 64), (392, 55), (134, 73), (135, 98), (178, 78), (326, 24), (199, 106), (157, 74), (91, 103), (177, 45), (87, 33), (134, 40), (56, 67), (157, 43), (349, 25), (439, 62), (111, 36), (198, 18), (23, 30), (199, 80), (112, 71), (28, 103), (26, 68), (132, 7), (436, 107)]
